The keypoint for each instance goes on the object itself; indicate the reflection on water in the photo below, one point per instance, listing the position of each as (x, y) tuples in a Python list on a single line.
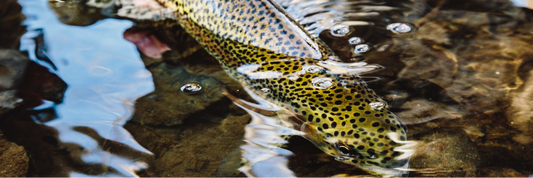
[(104, 74), (263, 155), (338, 16)]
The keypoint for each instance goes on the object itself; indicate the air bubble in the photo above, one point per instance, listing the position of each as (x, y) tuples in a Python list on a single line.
[(399, 28), (322, 83), (361, 48), (355, 40), (313, 69), (191, 88), (265, 90), (377, 105), (340, 30)]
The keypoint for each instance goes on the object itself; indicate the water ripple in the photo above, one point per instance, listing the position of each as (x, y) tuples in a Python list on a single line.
[(105, 76)]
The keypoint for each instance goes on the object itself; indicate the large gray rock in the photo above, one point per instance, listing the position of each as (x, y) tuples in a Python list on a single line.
[(8, 101), (12, 65)]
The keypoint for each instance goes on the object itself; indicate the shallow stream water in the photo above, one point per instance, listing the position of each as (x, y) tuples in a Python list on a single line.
[(457, 73)]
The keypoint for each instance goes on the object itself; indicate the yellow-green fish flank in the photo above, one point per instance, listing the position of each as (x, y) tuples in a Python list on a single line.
[(267, 51)]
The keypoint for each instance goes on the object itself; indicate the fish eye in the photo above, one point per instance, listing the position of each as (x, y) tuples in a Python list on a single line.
[(343, 149), (347, 151)]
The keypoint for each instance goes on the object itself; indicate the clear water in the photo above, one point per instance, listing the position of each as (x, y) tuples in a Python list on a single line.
[(459, 77), (104, 74)]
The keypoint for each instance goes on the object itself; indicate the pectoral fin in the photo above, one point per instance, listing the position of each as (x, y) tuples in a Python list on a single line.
[(312, 134)]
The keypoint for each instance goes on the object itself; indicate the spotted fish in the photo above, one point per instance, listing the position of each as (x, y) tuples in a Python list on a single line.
[(261, 46), (270, 54)]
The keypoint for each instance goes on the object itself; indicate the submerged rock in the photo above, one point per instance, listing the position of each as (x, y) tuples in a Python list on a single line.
[(168, 105), (14, 161), (519, 113), (11, 19), (230, 165), (12, 67), (195, 148), (419, 111), (8, 101), (444, 153), (40, 84), (500, 172), (485, 84)]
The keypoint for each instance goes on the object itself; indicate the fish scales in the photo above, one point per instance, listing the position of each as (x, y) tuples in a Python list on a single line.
[(259, 45)]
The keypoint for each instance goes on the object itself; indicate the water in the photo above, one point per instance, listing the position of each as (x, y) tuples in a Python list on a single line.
[(104, 78), (459, 77)]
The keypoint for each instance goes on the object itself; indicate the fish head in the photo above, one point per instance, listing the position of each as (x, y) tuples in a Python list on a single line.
[(361, 131)]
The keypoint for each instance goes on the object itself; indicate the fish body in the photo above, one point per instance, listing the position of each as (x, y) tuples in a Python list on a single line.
[(271, 55)]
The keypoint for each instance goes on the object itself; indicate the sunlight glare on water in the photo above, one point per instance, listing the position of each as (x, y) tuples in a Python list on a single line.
[(335, 15), (262, 154), (104, 74)]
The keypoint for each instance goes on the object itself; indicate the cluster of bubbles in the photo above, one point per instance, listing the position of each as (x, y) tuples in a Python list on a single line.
[(342, 30)]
